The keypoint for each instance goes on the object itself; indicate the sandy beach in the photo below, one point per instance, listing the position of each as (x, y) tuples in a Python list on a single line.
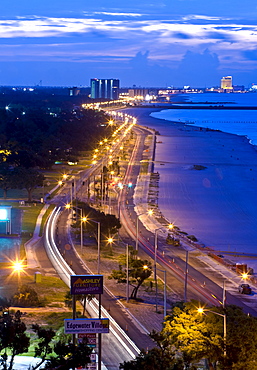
[(217, 203)]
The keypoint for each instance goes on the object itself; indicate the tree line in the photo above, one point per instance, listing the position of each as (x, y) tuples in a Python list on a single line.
[(32, 139)]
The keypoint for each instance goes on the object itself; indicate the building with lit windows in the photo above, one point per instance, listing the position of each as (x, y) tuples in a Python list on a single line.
[(104, 89), (226, 83)]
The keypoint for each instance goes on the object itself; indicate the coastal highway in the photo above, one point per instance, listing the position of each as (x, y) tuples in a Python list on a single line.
[(204, 285), (204, 288), (127, 336), (201, 284)]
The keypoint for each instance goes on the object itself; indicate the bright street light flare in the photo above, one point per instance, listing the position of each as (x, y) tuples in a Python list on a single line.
[(18, 266)]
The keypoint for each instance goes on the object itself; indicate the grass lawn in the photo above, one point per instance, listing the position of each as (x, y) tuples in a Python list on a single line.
[(51, 290)]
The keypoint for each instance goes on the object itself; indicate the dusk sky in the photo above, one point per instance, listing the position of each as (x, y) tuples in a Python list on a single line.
[(141, 42)]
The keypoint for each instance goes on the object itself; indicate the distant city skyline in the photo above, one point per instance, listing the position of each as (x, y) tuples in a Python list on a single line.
[(142, 43)]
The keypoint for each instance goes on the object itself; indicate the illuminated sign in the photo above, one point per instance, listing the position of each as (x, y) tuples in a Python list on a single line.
[(86, 284), (76, 326), (3, 214)]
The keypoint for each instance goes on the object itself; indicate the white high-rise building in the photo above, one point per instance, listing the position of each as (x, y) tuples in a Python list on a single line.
[(226, 83)]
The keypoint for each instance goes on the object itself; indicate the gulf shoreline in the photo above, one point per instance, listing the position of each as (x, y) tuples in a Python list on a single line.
[(218, 203)]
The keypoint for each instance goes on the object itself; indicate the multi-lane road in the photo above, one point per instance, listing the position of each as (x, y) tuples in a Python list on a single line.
[(201, 284)]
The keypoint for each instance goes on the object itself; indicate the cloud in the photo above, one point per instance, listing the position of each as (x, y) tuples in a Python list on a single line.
[(118, 14), (203, 17), (120, 35), (195, 67)]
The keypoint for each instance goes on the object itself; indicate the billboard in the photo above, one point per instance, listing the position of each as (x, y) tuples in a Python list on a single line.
[(86, 284), (76, 326)]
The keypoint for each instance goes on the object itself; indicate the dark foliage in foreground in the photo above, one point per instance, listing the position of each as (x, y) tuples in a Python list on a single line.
[(188, 337)]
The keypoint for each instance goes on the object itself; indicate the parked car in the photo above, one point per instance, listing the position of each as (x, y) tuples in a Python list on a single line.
[(244, 289)]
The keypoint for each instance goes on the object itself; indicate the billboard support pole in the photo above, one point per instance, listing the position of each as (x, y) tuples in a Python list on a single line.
[(74, 316), (99, 337)]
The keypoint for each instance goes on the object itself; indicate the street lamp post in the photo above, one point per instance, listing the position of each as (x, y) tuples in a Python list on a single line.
[(202, 310), (150, 213), (170, 226), (155, 268), (186, 281), (164, 293), (82, 219), (100, 297), (98, 244), (127, 275), (186, 275)]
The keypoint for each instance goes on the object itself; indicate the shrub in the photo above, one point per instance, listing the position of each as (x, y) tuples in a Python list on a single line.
[(25, 297)]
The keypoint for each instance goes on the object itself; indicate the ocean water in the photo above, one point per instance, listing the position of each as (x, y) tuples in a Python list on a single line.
[(239, 122)]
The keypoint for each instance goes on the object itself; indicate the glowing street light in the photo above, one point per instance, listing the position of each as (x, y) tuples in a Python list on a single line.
[(18, 266), (82, 220), (201, 310), (120, 185), (244, 276), (110, 240), (145, 267)]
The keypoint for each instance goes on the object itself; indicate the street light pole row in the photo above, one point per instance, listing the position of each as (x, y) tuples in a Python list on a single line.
[(85, 219)]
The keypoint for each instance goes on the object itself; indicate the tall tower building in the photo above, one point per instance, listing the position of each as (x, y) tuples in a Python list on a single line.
[(226, 83), (106, 89)]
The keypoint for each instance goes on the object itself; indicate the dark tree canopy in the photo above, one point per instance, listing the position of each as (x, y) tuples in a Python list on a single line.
[(35, 138), (51, 351), (26, 178), (69, 356), (109, 224), (39, 137), (13, 338)]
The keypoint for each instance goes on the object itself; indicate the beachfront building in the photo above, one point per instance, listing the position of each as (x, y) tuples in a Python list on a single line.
[(226, 84), (105, 88)]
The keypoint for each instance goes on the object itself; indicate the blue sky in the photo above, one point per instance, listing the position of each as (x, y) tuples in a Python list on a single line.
[(143, 43)]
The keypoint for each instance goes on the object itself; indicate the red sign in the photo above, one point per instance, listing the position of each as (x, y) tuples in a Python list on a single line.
[(91, 338)]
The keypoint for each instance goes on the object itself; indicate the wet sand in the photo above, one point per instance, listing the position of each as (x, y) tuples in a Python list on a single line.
[(218, 203)]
